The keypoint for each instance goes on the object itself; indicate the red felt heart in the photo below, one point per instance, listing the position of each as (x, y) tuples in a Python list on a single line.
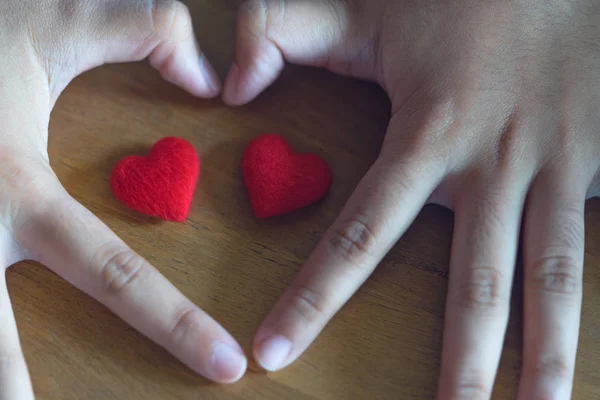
[(279, 181), (161, 184)]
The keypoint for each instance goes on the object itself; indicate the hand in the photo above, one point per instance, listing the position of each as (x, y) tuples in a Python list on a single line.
[(44, 44), (495, 114)]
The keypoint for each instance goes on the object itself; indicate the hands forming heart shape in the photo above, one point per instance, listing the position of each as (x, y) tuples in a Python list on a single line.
[(494, 115)]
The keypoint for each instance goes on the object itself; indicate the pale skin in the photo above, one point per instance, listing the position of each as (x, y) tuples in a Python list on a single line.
[(495, 115)]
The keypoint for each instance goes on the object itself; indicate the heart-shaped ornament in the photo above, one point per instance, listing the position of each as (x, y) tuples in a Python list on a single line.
[(279, 181), (162, 184)]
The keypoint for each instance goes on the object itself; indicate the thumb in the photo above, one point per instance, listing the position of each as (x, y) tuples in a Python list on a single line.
[(336, 34), (93, 33)]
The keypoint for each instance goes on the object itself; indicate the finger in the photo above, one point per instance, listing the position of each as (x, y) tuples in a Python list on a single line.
[(382, 207), (75, 244), (14, 376), (481, 270), (314, 32), (131, 30), (177, 54), (554, 248)]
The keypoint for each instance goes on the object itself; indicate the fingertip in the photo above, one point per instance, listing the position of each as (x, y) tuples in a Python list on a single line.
[(180, 59), (187, 68), (258, 60), (212, 83), (272, 352), (246, 83), (228, 363), (230, 93)]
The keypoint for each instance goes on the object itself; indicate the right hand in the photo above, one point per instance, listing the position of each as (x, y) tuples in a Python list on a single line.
[(44, 45)]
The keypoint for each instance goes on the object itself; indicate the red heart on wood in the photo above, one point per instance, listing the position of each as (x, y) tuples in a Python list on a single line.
[(279, 181), (162, 184)]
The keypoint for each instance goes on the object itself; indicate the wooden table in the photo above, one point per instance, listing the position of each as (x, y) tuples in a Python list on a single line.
[(384, 344)]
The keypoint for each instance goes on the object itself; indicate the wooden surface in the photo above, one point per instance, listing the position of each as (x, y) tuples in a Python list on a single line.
[(385, 344)]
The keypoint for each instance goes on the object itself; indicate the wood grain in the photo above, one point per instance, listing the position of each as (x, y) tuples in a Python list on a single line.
[(384, 344)]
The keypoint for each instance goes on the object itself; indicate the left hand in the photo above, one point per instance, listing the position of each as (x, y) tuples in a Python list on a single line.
[(495, 110)]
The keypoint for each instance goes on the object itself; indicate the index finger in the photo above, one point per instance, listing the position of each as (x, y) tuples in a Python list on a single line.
[(75, 244), (377, 214)]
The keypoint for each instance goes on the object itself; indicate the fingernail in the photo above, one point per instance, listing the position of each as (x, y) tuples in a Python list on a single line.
[(273, 351), (232, 84), (210, 76), (228, 363)]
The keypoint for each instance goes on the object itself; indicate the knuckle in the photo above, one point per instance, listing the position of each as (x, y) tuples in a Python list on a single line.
[(120, 268), (554, 367), (466, 384), (186, 318), (472, 390), (354, 240), (557, 274), (310, 305), (508, 146), (167, 15), (480, 289)]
